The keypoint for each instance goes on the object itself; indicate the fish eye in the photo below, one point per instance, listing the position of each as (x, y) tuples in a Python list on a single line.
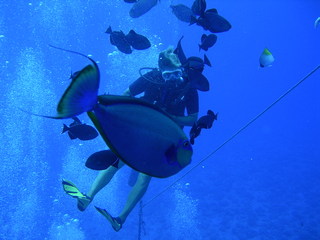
[(186, 143)]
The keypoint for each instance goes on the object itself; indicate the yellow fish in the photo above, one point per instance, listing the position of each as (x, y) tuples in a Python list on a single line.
[(266, 58)]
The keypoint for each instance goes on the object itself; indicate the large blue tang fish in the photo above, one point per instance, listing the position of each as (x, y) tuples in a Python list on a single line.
[(140, 134)]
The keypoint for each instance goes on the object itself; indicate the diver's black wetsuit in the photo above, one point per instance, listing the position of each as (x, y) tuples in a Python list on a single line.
[(171, 97)]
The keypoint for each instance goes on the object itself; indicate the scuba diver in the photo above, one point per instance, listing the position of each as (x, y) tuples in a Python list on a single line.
[(170, 88)]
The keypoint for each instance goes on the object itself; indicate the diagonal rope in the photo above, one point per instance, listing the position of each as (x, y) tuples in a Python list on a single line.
[(233, 136)]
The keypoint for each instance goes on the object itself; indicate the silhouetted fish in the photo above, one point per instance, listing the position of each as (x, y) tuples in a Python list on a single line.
[(118, 39), (182, 12), (212, 21), (198, 7), (137, 41), (101, 160), (203, 122), (80, 130), (207, 41), (141, 7)]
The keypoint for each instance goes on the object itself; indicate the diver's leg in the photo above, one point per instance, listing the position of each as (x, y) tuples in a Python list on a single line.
[(100, 182), (103, 179), (137, 192)]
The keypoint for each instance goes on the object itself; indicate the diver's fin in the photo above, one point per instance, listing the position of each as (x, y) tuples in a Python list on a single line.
[(71, 189), (115, 222)]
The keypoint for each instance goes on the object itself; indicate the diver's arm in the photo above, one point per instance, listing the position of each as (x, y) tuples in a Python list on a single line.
[(185, 120)]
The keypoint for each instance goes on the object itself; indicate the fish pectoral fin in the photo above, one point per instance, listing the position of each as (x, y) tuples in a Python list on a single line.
[(71, 136)]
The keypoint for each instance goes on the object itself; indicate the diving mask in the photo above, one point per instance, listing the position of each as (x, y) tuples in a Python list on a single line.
[(172, 75)]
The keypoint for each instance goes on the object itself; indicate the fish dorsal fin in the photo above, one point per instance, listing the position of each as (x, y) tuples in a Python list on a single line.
[(180, 53), (206, 60), (109, 30)]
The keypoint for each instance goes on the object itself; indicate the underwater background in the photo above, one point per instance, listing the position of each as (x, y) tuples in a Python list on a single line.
[(262, 185)]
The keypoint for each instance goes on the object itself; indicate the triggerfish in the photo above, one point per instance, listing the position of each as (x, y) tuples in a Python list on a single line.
[(203, 122), (139, 133), (182, 12), (80, 130), (266, 58)]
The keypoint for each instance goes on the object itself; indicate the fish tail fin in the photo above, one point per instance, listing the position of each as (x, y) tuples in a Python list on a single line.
[(65, 128), (109, 30), (193, 20), (82, 93)]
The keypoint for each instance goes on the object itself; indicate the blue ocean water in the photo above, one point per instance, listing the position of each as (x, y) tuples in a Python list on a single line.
[(262, 185)]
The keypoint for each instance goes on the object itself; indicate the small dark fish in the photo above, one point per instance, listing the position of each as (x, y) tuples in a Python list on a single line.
[(141, 7), (137, 41), (180, 53), (130, 1), (198, 7), (101, 160), (212, 21), (207, 41), (118, 39), (203, 122), (182, 12), (80, 130)]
